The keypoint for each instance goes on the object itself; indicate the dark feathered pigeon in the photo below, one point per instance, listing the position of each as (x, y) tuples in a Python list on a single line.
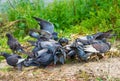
[(14, 44), (86, 40), (13, 60), (59, 55), (98, 36), (43, 60), (50, 45), (45, 25), (54, 48), (98, 46), (107, 34), (76, 50)]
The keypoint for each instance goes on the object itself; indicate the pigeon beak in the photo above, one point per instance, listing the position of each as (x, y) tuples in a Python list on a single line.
[(1, 53)]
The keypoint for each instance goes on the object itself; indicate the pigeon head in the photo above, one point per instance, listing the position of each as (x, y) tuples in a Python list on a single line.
[(4, 54), (63, 41), (55, 36), (8, 35)]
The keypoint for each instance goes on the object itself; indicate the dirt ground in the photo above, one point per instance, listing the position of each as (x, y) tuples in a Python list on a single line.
[(107, 69), (104, 69)]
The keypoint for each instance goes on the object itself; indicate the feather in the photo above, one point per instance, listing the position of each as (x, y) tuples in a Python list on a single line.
[(90, 48), (20, 60)]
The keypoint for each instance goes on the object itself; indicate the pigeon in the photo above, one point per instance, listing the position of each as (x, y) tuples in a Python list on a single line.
[(13, 60), (82, 54), (63, 41), (107, 34), (77, 50), (45, 57), (53, 47), (39, 45), (59, 55), (43, 60), (99, 35), (14, 44), (45, 25), (86, 40), (98, 46)]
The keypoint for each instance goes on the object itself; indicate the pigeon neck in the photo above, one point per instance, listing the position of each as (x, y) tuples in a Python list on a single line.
[(6, 55)]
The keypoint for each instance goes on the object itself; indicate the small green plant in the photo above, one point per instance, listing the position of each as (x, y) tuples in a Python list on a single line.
[(6, 69)]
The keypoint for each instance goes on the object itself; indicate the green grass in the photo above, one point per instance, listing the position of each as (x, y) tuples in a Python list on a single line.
[(91, 15)]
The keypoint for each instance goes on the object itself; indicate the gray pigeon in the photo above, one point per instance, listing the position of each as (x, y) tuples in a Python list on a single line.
[(59, 55), (14, 44), (13, 60), (98, 36), (43, 59), (98, 46), (45, 25), (77, 50)]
